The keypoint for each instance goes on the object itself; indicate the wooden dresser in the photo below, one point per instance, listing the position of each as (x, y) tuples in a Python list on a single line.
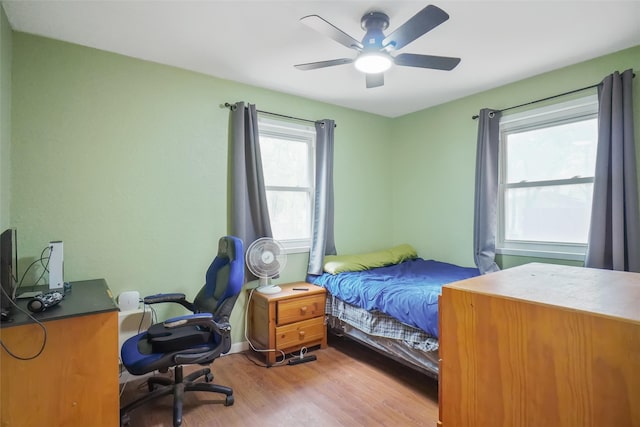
[(288, 320), (541, 345)]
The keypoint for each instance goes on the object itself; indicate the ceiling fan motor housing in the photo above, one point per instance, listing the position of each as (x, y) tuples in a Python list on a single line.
[(374, 23)]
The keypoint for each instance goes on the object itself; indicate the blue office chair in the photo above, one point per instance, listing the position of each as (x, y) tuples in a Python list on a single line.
[(197, 338)]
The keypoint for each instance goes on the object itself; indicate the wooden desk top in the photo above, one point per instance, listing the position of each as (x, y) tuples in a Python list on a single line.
[(86, 297), (614, 294)]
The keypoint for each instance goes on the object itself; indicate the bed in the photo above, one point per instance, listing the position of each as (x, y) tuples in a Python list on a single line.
[(388, 300)]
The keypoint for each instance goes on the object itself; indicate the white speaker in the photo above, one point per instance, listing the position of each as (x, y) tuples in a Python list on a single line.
[(56, 265)]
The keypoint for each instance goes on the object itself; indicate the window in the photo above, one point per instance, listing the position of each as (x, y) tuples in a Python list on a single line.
[(288, 159), (547, 165)]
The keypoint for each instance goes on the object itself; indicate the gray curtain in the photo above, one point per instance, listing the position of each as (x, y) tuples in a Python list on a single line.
[(614, 235), (249, 212), (322, 235), (486, 192)]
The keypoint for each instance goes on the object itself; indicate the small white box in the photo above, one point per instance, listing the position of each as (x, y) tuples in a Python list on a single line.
[(129, 300), (56, 265)]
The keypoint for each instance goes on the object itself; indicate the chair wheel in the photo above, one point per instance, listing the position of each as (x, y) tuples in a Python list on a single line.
[(209, 377), (229, 401), (125, 420)]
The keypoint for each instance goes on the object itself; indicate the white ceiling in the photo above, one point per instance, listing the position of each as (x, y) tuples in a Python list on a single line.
[(257, 42)]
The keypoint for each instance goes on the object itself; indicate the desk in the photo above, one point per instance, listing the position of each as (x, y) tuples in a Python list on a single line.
[(74, 382)]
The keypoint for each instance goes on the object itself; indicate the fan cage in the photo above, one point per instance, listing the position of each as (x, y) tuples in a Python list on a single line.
[(266, 258)]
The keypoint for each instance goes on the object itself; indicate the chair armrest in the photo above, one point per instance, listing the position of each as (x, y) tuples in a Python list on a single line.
[(203, 319), (174, 297), (222, 328)]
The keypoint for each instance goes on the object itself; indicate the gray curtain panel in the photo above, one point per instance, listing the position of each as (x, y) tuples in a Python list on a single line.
[(249, 212), (322, 234), (614, 234), (486, 193)]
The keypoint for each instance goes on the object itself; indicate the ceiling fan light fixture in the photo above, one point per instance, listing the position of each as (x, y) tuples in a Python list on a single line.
[(373, 62)]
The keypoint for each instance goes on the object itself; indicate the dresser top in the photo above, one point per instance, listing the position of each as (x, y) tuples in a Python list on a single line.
[(609, 293)]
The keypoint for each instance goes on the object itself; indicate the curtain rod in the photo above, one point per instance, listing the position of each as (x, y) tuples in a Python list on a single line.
[(233, 107), (547, 98)]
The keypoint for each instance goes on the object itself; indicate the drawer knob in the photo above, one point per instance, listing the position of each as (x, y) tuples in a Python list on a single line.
[(303, 310), (301, 334)]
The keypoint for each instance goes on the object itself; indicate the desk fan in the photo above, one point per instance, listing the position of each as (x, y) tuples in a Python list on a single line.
[(265, 258)]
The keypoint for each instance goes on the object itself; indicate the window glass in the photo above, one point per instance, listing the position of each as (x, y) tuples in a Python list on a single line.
[(288, 152), (288, 211), (555, 152), (285, 162), (559, 213)]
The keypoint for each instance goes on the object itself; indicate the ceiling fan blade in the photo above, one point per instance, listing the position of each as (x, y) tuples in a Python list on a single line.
[(421, 23), (427, 61), (375, 80), (323, 64), (331, 31)]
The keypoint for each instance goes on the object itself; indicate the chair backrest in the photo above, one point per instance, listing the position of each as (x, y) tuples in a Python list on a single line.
[(223, 281)]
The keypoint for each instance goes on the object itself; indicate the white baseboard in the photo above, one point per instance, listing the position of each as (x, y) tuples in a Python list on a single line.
[(239, 347)]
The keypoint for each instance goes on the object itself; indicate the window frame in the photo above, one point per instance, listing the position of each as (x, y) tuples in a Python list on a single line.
[(293, 131), (575, 110)]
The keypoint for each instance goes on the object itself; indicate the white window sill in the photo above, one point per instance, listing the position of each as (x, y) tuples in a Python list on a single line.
[(572, 256), (295, 249)]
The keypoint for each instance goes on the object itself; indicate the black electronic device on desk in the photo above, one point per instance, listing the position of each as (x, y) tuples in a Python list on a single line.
[(8, 272), (44, 301)]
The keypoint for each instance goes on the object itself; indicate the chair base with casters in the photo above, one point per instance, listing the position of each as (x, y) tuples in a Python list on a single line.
[(162, 386)]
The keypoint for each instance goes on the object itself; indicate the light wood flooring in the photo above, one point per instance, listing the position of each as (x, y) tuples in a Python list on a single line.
[(348, 385)]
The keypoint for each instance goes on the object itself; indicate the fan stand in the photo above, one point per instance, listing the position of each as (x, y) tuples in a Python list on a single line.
[(266, 287)]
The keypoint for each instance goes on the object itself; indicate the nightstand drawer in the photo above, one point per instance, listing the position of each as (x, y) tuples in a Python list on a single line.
[(297, 309), (300, 333)]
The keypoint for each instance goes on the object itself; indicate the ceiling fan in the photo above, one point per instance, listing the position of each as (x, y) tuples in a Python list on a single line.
[(374, 56)]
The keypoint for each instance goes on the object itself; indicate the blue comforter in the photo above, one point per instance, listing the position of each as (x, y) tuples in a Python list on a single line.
[(407, 291)]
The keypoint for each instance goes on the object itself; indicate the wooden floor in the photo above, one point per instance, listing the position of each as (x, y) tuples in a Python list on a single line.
[(348, 385)]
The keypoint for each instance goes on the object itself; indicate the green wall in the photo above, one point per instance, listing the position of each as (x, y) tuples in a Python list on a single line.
[(6, 49), (434, 152), (126, 162)]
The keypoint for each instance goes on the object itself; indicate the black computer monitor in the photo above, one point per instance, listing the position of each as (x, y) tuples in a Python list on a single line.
[(8, 271)]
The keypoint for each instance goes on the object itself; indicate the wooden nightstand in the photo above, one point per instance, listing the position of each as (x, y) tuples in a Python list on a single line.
[(288, 320)]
